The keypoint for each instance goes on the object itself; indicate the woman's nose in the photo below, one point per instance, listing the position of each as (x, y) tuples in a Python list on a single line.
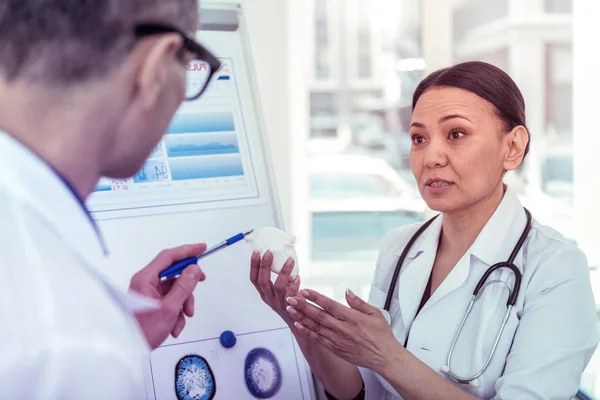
[(435, 155)]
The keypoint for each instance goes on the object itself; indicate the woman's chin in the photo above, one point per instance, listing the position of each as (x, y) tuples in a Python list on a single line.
[(440, 205)]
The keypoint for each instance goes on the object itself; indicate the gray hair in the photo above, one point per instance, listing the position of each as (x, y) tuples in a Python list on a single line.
[(72, 41)]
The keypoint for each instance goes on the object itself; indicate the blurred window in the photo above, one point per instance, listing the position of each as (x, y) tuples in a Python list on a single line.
[(559, 6), (559, 88), (322, 104), (471, 14), (377, 49), (354, 235), (344, 186), (322, 39), (364, 42)]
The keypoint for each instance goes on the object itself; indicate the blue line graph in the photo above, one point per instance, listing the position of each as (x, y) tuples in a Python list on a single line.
[(103, 188), (202, 122), (201, 145), (205, 167)]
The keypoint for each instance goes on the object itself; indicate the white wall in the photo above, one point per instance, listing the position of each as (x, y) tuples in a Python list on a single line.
[(279, 46), (586, 146), (437, 34), (278, 33)]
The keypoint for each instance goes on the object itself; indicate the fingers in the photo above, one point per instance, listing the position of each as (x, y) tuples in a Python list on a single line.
[(293, 287), (325, 341), (179, 325), (303, 321), (264, 276), (283, 280), (188, 306), (166, 285), (306, 311), (330, 306), (359, 304), (254, 268), (183, 287)]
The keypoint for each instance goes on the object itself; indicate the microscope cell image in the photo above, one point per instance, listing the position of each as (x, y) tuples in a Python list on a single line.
[(194, 379), (262, 373)]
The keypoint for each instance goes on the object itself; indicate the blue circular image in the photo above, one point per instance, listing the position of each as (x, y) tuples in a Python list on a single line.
[(194, 380), (262, 373)]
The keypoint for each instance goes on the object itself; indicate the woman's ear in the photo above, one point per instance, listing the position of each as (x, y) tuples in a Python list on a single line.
[(516, 142)]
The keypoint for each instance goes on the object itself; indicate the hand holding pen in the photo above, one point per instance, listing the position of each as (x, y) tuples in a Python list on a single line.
[(174, 299)]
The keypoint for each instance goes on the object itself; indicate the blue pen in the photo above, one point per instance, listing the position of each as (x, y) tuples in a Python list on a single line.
[(178, 267)]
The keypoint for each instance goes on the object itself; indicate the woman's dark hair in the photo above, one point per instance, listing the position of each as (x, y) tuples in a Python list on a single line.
[(486, 81)]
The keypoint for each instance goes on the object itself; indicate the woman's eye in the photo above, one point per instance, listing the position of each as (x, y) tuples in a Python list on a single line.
[(418, 139), (456, 134)]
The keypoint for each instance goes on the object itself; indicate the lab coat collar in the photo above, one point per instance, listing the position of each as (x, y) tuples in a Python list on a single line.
[(494, 244), (428, 241), (415, 272), (48, 194), (83, 207), (51, 196), (499, 236), (495, 241)]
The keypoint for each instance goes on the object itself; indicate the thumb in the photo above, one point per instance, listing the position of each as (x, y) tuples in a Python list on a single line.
[(183, 287), (358, 304)]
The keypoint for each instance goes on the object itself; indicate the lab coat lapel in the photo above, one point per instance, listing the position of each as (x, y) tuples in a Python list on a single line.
[(498, 238), (493, 244), (416, 271), (39, 186), (457, 276)]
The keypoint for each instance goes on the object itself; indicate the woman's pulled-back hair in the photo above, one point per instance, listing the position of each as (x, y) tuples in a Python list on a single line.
[(486, 81)]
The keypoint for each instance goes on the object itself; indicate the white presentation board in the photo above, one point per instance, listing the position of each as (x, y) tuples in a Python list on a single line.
[(209, 179)]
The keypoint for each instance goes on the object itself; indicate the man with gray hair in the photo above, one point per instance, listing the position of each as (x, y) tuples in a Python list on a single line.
[(87, 89)]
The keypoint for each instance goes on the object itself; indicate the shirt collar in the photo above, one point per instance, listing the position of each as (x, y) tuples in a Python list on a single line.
[(494, 243)]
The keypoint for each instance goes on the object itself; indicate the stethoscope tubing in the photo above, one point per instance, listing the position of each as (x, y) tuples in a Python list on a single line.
[(512, 298)]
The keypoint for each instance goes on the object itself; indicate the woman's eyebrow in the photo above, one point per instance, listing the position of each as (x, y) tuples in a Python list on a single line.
[(443, 119), (454, 116)]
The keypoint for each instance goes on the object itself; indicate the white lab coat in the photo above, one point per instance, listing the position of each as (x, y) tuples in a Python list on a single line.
[(551, 333), (67, 331)]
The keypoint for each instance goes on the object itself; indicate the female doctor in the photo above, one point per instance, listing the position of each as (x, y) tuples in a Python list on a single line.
[(530, 331)]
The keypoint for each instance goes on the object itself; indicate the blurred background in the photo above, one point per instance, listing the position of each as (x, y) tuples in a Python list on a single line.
[(366, 60), (337, 87)]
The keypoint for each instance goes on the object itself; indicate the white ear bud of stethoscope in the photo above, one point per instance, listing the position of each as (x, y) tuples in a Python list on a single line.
[(445, 369), (474, 383)]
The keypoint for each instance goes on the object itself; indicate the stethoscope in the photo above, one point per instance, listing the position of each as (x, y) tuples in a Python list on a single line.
[(514, 293)]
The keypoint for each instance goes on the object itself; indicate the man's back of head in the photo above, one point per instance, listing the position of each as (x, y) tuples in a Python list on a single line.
[(96, 86)]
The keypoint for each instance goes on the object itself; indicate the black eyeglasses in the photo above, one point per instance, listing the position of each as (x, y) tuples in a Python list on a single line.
[(201, 69)]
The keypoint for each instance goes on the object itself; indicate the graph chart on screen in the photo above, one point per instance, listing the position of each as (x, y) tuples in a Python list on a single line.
[(204, 157)]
